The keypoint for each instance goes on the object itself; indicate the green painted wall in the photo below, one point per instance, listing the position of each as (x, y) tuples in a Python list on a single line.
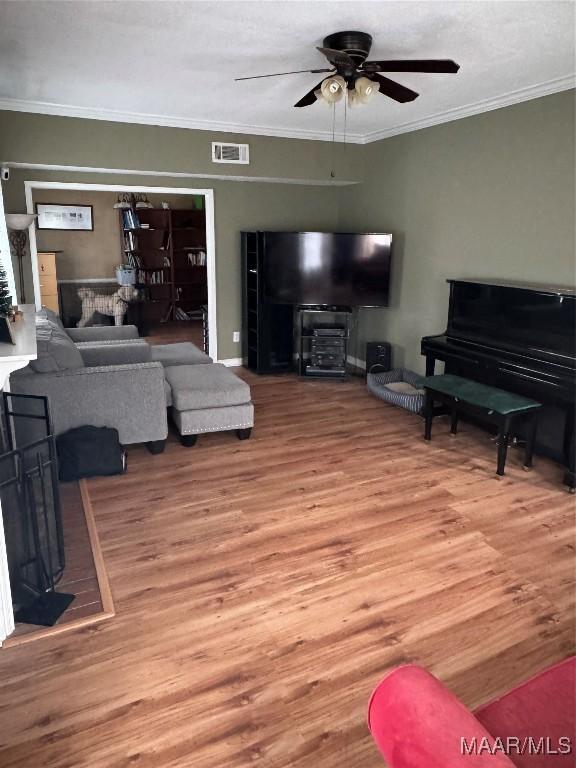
[(237, 206), (488, 196), (52, 140), (68, 141)]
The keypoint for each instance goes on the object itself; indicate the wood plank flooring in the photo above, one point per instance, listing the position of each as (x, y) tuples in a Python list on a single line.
[(177, 330), (263, 587)]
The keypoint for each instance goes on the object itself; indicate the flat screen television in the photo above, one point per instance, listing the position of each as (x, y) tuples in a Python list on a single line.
[(321, 268)]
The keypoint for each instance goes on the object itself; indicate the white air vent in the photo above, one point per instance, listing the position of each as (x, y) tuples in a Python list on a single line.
[(230, 153)]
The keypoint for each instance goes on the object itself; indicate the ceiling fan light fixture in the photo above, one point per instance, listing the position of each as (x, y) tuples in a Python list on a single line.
[(365, 89), (346, 54), (320, 97), (333, 88)]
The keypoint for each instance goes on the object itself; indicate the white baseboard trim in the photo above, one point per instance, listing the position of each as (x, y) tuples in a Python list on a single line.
[(232, 362)]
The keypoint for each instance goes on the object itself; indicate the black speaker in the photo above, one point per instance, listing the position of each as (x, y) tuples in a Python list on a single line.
[(378, 356)]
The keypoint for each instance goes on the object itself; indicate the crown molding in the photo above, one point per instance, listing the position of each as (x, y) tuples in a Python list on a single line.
[(486, 105), (166, 121)]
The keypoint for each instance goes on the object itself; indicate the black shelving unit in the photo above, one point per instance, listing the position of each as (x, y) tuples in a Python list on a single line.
[(267, 338), (322, 341), (168, 249)]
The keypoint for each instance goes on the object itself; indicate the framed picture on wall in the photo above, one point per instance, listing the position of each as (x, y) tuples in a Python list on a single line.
[(69, 217)]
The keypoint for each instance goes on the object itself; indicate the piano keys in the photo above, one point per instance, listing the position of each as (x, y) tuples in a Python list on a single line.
[(520, 337)]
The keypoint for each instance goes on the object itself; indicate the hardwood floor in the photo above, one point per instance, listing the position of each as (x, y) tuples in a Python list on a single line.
[(175, 331), (263, 587)]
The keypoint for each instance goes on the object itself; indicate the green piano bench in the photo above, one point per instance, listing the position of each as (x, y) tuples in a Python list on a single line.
[(496, 406)]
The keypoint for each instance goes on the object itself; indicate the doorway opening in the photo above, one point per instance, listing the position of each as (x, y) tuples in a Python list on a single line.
[(157, 242)]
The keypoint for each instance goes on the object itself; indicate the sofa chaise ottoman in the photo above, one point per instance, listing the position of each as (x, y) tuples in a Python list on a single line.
[(209, 398), (179, 353)]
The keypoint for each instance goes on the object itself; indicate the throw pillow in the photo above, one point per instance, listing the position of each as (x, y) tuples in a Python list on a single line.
[(51, 316), (56, 350)]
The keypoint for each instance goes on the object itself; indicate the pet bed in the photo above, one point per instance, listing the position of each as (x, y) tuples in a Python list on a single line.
[(399, 387)]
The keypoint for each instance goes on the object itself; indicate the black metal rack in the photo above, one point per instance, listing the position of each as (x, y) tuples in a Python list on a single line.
[(31, 503), (322, 341)]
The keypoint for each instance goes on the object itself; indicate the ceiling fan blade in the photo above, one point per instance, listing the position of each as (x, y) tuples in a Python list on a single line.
[(278, 74), (415, 65), (337, 57), (394, 90), (309, 98)]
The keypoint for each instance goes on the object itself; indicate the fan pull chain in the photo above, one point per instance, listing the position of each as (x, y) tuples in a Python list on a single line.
[(332, 174), (345, 118)]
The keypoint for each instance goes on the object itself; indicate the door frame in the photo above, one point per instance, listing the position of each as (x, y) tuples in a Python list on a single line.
[(208, 194), (6, 366)]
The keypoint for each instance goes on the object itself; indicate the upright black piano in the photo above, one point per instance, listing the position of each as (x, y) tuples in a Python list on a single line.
[(519, 337)]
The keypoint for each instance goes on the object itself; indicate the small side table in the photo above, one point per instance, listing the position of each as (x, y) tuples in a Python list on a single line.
[(496, 406)]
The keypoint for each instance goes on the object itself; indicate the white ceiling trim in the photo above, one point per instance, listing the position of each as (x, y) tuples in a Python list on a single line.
[(177, 175), (86, 113), (506, 100), (487, 105)]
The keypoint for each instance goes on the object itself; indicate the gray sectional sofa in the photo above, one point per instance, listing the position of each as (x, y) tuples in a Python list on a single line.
[(108, 376), (100, 381)]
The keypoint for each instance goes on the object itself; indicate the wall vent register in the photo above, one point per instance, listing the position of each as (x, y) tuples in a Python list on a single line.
[(238, 154)]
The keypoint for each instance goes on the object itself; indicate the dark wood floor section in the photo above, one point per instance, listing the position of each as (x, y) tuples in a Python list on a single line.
[(175, 331), (263, 587)]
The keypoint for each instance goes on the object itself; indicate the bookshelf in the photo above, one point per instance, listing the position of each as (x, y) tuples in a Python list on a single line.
[(168, 249)]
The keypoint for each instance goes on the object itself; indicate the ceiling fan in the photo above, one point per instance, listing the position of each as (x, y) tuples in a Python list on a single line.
[(350, 72)]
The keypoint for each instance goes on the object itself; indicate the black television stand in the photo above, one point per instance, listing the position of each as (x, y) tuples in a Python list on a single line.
[(322, 334)]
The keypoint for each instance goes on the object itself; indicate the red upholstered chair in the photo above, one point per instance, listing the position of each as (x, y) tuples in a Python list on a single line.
[(418, 723)]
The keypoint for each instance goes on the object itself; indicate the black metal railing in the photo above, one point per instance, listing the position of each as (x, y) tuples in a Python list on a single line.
[(32, 510)]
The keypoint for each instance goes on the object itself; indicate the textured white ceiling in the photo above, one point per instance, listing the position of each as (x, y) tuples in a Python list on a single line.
[(175, 62)]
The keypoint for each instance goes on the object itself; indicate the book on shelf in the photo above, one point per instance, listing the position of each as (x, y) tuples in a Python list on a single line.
[(156, 278), (197, 259), (130, 219), (133, 260), (130, 242)]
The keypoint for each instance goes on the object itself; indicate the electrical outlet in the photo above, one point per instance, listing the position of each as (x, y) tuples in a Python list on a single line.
[(236, 336)]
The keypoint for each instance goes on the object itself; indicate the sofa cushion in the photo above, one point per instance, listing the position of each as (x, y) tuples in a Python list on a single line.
[(182, 353), (56, 350), (50, 316), (205, 386)]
